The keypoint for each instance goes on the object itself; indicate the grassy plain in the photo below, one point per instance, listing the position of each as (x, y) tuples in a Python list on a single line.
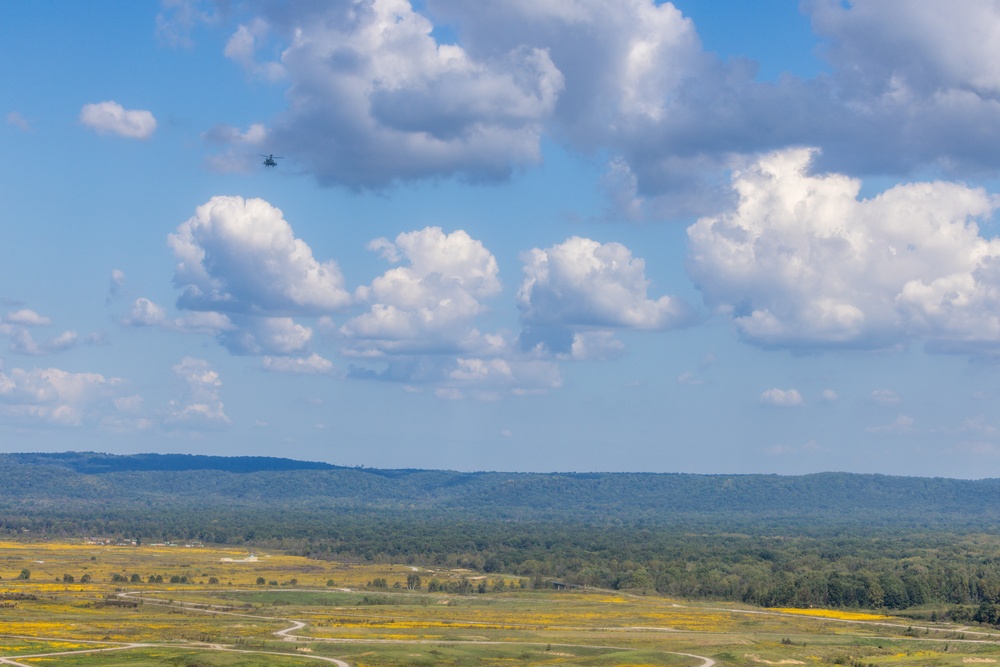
[(215, 613)]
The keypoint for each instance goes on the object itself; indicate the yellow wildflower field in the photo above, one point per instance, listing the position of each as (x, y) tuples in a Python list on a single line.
[(64, 598)]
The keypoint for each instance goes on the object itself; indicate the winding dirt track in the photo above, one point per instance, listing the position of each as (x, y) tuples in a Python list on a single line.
[(288, 634)]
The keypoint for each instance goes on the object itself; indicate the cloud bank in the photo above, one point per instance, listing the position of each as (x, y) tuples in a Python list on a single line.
[(377, 96)]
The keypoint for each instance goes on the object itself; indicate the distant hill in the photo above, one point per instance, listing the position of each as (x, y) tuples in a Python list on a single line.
[(93, 463), (180, 480), (830, 539)]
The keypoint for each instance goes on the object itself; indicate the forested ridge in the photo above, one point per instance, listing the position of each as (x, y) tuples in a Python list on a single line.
[(831, 539)]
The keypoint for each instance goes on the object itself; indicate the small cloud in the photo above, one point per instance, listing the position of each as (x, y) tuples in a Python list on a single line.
[(901, 425), (129, 404), (178, 19), (22, 342), (689, 378), (241, 148), (311, 365), (55, 396), (980, 427), (781, 398), (830, 395), (200, 405), (596, 346), (19, 121), (884, 397), (506, 433), (385, 248), (145, 313), (115, 285), (242, 48), (26, 317), (791, 450), (111, 117)]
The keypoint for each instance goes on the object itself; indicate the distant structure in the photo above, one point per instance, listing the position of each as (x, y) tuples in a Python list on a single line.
[(249, 559)]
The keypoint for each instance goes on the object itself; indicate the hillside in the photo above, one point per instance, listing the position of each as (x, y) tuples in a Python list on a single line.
[(174, 480), (831, 539)]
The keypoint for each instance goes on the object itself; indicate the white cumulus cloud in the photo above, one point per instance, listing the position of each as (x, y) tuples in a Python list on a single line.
[(374, 98), (311, 365), (902, 425), (782, 398), (26, 317), (145, 313), (583, 284), (111, 117), (430, 304), (55, 396), (200, 405), (240, 256), (267, 336), (22, 342), (802, 261), (17, 326)]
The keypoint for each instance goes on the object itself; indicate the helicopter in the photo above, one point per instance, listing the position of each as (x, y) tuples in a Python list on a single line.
[(269, 160)]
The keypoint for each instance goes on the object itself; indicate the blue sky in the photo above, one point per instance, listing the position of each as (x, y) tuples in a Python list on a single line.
[(527, 236)]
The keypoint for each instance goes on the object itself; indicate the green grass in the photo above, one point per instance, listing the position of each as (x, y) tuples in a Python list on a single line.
[(378, 628), (173, 657)]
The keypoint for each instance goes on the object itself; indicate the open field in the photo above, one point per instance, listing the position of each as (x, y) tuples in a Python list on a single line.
[(90, 604)]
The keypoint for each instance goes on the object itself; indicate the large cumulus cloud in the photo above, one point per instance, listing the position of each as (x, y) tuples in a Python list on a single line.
[(421, 327), (240, 255), (430, 304), (374, 98), (918, 83), (802, 261), (911, 86), (245, 276), (576, 288)]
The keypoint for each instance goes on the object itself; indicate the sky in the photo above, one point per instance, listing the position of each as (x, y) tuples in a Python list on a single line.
[(518, 235)]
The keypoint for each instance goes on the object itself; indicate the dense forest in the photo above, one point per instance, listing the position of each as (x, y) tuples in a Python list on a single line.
[(832, 539)]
